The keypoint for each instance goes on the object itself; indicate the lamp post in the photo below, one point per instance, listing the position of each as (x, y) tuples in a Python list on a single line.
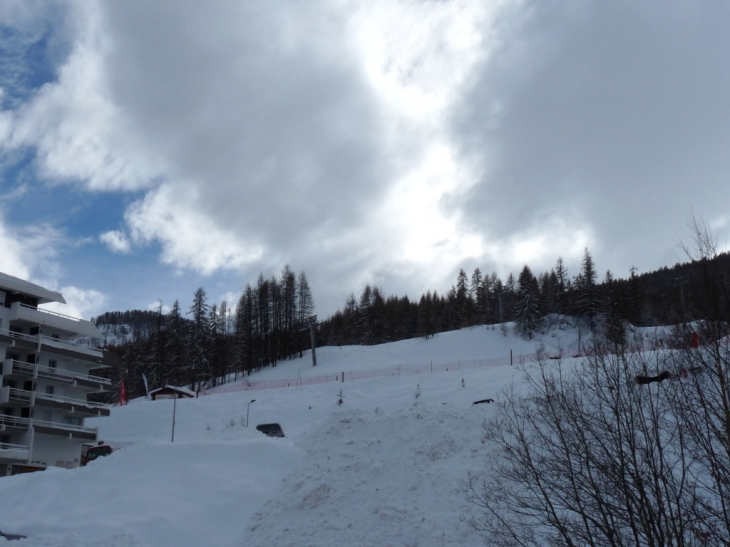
[(247, 407)]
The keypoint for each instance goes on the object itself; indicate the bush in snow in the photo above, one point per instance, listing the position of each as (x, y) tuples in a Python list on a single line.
[(589, 457)]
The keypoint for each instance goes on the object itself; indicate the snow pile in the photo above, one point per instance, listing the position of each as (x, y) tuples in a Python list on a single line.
[(386, 467)]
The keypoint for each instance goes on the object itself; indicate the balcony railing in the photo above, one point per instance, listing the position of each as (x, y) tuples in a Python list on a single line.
[(14, 367), (14, 395), (57, 342), (70, 376), (65, 427), (14, 422), (77, 402), (8, 446), (21, 367), (49, 312), (55, 320), (20, 335), (14, 451)]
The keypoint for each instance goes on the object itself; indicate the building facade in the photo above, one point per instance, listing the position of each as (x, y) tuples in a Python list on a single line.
[(46, 377)]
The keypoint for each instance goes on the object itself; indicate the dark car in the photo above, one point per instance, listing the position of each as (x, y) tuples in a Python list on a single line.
[(96, 452), (12, 536), (271, 430)]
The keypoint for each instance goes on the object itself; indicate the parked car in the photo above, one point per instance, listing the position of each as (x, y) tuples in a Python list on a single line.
[(12, 536), (91, 452), (271, 430)]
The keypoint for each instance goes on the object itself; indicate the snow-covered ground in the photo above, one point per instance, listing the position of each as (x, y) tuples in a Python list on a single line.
[(386, 467)]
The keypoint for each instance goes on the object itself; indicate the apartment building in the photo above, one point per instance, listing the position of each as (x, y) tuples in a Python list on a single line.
[(46, 377)]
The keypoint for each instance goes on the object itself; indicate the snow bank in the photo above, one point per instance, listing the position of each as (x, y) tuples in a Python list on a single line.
[(384, 468)]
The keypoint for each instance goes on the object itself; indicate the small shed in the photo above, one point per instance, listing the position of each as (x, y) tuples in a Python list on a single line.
[(171, 392)]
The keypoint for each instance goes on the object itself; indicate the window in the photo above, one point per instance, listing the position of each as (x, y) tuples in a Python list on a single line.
[(50, 389), (52, 363), (72, 420)]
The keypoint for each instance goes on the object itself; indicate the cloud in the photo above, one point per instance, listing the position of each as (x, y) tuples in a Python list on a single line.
[(386, 142), (608, 119), (189, 238), (32, 253), (29, 251), (262, 136), (82, 303), (116, 241)]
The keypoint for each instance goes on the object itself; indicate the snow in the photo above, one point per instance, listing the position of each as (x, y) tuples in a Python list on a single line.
[(384, 468)]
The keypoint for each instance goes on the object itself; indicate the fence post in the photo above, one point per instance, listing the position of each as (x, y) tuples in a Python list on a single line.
[(510, 357), (343, 377)]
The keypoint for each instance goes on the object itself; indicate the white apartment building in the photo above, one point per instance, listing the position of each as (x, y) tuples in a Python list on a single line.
[(46, 377)]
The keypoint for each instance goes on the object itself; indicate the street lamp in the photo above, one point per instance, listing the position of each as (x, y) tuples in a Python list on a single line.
[(247, 407)]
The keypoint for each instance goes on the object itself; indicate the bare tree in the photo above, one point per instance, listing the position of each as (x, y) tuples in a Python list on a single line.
[(588, 457)]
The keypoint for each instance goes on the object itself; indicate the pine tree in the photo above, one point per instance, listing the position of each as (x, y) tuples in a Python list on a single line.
[(244, 333), (156, 360), (509, 293), (175, 353), (305, 301), (615, 331), (588, 301), (527, 307), (199, 341), (463, 301), (561, 273)]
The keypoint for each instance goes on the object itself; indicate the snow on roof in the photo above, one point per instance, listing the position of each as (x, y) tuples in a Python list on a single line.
[(15, 284), (175, 388)]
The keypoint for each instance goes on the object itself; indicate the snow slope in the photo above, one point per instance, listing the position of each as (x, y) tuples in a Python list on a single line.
[(384, 468)]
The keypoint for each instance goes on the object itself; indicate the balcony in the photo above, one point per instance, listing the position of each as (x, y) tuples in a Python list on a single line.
[(69, 349), (25, 341), (17, 369), (75, 378), (16, 452), (47, 318), (11, 396), (13, 423), (38, 342), (74, 406), (67, 430)]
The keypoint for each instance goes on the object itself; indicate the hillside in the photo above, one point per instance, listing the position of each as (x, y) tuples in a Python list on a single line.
[(384, 468)]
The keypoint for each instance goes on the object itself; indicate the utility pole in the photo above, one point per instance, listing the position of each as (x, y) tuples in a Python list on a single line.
[(311, 323)]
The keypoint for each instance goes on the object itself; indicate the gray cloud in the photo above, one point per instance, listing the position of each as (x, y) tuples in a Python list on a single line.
[(262, 107), (608, 115), (385, 142)]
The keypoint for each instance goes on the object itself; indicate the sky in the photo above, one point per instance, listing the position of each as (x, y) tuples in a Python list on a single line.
[(151, 148)]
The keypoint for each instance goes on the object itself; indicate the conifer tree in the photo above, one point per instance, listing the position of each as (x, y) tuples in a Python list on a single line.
[(175, 353), (156, 360), (199, 341), (588, 301), (615, 331), (527, 307)]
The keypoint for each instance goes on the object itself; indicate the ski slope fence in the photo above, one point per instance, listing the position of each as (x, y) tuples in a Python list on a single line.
[(345, 376)]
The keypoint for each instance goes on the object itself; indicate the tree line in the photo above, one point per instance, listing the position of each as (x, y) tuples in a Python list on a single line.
[(485, 299), (207, 343)]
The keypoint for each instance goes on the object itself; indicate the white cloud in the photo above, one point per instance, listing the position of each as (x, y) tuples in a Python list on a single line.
[(81, 303), (116, 240), (28, 250), (387, 142), (189, 238), (80, 133)]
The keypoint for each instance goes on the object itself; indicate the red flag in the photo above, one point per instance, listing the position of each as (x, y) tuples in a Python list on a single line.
[(122, 394)]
